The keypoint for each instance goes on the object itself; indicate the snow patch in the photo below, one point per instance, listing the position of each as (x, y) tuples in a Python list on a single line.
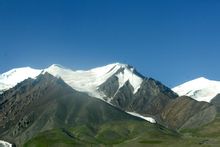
[(5, 144), (149, 119)]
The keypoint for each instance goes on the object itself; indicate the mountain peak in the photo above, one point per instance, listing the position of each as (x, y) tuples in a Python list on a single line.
[(122, 65), (14, 70), (201, 79), (201, 89), (17, 75), (81, 80), (110, 68), (58, 66)]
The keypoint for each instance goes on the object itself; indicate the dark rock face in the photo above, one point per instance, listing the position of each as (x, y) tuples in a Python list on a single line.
[(152, 97), (46, 103), (110, 87), (185, 112), (158, 101), (216, 101), (149, 99), (123, 98)]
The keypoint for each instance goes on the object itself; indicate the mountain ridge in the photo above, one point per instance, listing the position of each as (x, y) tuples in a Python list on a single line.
[(48, 102), (201, 89), (123, 87), (20, 74), (60, 97)]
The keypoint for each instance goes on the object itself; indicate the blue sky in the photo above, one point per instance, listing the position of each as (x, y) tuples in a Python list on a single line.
[(172, 41)]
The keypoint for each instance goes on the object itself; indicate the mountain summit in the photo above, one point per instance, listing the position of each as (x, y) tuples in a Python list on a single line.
[(89, 80), (82, 80), (201, 89), (13, 77)]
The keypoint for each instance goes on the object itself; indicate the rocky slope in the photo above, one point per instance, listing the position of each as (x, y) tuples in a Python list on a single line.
[(216, 101), (158, 101), (185, 112), (123, 87), (47, 103)]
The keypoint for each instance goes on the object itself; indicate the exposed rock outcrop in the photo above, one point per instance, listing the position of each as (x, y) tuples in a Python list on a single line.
[(185, 112), (216, 101), (158, 101)]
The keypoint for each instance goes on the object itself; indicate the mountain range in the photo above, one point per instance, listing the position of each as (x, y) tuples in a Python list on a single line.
[(58, 106)]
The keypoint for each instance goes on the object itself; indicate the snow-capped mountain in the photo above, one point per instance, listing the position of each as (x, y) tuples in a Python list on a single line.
[(82, 80), (121, 86), (89, 80), (201, 89), (13, 77), (56, 95)]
